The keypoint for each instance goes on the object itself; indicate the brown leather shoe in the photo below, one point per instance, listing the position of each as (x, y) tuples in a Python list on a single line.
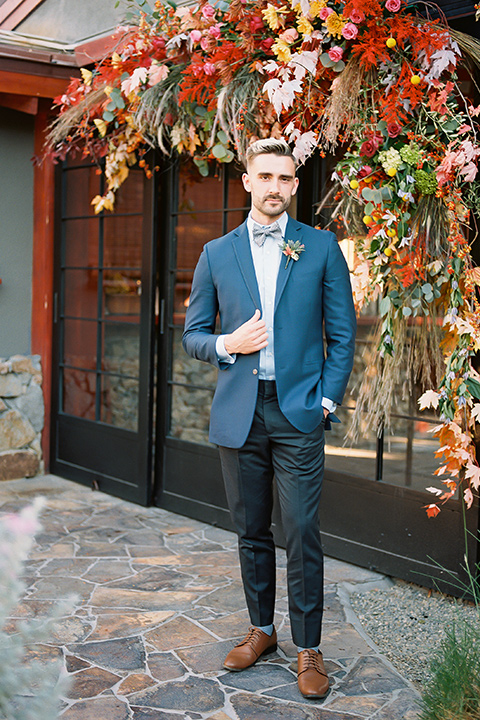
[(249, 650), (312, 677)]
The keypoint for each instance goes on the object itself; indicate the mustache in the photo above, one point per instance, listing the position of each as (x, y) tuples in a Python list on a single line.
[(273, 197)]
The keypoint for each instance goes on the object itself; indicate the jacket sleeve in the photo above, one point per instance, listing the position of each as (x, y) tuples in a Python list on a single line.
[(340, 324), (199, 337)]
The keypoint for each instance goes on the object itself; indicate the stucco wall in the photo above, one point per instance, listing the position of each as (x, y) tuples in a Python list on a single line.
[(16, 228)]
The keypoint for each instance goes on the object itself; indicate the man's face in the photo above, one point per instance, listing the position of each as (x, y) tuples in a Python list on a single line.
[(271, 181)]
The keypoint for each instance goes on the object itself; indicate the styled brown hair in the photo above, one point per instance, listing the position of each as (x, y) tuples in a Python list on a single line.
[(268, 146)]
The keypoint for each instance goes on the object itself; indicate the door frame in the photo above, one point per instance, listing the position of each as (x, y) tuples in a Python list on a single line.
[(119, 460)]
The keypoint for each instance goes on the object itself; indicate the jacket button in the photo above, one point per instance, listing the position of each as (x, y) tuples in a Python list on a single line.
[(255, 371)]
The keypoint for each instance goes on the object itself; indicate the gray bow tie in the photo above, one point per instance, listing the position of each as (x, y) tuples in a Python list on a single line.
[(260, 234)]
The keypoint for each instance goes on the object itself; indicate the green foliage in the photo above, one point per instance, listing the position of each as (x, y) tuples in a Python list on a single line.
[(29, 688), (454, 690)]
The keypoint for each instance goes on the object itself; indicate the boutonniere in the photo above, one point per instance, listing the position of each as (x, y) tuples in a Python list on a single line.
[(292, 250)]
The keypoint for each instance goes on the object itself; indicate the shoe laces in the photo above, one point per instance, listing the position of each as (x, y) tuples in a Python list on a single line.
[(312, 662), (253, 636)]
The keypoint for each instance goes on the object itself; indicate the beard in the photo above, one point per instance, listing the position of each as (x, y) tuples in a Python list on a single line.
[(272, 210)]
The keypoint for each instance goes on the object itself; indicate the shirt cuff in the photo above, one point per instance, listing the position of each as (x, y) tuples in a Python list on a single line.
[(222, 354), (327, 404)]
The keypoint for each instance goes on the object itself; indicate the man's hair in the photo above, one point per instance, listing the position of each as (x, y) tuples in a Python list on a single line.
[(268, 146)]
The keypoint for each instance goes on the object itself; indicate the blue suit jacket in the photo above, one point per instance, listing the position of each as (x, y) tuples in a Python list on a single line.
[(312, 294)]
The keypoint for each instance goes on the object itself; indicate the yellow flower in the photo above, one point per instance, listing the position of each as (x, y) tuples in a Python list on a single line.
[(101, 126), (282, 50), (116, 60), (315, 7), (304, 26), (270, 15), (335, 24), (86, 76)]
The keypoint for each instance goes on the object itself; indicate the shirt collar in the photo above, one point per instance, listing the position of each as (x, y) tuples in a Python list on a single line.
[(282, 221)]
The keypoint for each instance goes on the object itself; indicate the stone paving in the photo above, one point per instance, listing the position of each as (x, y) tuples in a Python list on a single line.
[(160, 603)]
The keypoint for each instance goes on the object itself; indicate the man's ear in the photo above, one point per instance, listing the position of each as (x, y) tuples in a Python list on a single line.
[(295, 186), (246, 182)]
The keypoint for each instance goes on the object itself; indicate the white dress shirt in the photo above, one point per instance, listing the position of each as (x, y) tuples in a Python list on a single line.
[(266, 261)]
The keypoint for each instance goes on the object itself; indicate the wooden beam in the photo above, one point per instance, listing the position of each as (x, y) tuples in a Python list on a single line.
[(12, 12), (23, 103), (17, 83), (43, 264)]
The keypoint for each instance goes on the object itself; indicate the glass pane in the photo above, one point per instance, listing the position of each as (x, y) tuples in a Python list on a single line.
[(234, 219), (355, 459), (80, 343), (190, 414), (119, 402), (121, 348), (129, 197), (197, 192), (409, 458), (82, 184), (122, 242), (188, 370), (81, 293), (183, 286), (193, 232), (79, 393), (237, 195), (122, 295), (81, 242)]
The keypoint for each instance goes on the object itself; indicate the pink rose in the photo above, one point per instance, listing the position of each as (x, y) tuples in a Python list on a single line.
[(394, 129), (393, 5), (205, 44), (356, 16), (209, 68), (289, 36), (370, 146), (208, 12), (335, 53), (349, 31), (266, 44), (195, 35), (256, 23), (364, 172), (324, 13), (215, 31)]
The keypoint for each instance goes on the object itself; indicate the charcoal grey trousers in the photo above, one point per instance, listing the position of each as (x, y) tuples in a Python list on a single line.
[(275, 448)]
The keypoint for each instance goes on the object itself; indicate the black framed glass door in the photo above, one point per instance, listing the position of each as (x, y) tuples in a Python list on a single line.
[(103, 345), (197, 210)]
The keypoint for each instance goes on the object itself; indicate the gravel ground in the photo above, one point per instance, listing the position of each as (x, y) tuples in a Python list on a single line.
[(407, 623)]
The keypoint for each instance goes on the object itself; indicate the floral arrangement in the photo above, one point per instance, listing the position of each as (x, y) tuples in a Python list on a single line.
[(371, 77)]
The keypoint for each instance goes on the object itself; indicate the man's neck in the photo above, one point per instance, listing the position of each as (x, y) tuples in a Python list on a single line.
[(264, 219)]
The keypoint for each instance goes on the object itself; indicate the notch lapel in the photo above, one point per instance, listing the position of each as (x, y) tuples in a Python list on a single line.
[(241, 248), (292, 232)]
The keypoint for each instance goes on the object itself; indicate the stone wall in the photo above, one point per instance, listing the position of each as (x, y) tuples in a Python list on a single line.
[(21, 417)]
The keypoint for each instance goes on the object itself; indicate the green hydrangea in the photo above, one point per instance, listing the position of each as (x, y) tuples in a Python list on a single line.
[(425, 182), (390, 159), (411, 154)]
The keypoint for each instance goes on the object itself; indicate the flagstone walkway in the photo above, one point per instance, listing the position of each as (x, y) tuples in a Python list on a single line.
[(160, 603)]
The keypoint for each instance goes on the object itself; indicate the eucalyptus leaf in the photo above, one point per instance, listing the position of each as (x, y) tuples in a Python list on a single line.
[(108, 116), (222, 136), (326, 60), (406, 311), (339, 66), (219, 151), (384, 305)]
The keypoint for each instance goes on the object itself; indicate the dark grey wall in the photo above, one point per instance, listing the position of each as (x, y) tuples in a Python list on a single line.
[(16, 229)]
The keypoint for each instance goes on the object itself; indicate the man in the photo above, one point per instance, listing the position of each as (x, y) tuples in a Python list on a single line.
[(277, 285)]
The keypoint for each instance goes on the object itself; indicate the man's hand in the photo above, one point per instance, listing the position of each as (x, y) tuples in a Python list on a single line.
[(325, 412), (250, 337)]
